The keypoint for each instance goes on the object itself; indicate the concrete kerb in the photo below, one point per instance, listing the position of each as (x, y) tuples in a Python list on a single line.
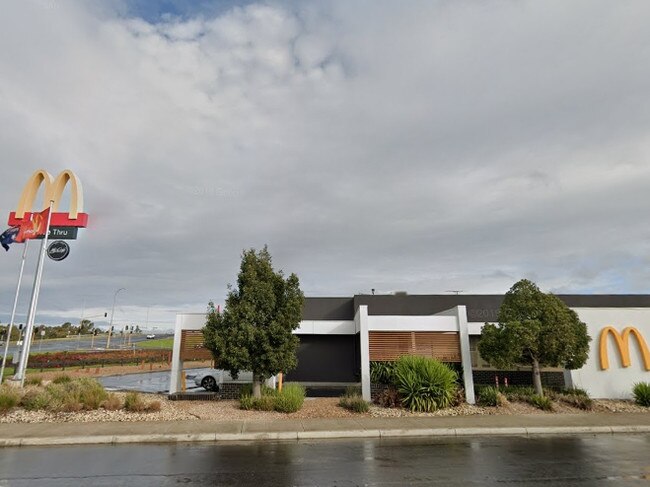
[(318, 435), (576, 430), (393, 433), (509, 431), (321, 435)]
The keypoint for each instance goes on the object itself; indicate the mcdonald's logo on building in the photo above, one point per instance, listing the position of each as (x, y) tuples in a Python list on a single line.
[(622, 341), (53, 187)]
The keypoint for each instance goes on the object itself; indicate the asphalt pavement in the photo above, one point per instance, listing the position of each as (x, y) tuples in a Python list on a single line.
[(80, 343), (151, 382), (518, 461)]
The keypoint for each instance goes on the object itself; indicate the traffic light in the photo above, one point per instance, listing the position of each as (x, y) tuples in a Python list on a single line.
[(95, 331), (105, 315)]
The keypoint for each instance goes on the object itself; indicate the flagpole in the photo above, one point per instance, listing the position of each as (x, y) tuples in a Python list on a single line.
[(13, 311), (22, 366)]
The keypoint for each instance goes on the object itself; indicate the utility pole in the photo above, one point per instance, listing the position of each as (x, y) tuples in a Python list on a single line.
[(110, 326)]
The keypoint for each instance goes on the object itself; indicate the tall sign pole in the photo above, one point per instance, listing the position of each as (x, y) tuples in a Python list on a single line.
[(22, 366), (13, 311), (63, 225)]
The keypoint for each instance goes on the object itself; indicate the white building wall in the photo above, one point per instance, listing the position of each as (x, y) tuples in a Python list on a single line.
[(617, 381), (325, 327), (413, 323)]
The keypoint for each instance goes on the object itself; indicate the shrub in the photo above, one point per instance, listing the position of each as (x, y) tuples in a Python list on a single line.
[(34, 380), (575, 397), (112, 402), (246, 390), (74, 395), (64, 397), (641, 392), (134, 403), (34, 400), (354, 403), (541, 402), (91, 393), (352, 391), (246, 402), (490, 396), (264, 403), (424, 383), (290, 399), (382, 372), (518, 393), (154, 406), (388, 398), (458, 397), (62, 379), (577, 401), (9, 398), (575, 391), (107, 357)]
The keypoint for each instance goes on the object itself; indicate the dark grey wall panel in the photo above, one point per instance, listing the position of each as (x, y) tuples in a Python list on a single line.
[(326, 358), (485, 307), (328, 309), (477, 305)]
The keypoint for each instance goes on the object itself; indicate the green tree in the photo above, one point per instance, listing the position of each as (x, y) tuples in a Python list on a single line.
[(86, 326), (15, 333), (537, 330), (254, 331)]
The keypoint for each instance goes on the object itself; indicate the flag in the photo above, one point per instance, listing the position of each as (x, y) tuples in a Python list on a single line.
[(8, 237), (36, 227)]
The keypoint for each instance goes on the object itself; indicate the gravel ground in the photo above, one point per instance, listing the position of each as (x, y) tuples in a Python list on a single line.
[(312, 408)]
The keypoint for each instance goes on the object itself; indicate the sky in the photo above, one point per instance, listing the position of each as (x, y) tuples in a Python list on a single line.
[(419, 146)]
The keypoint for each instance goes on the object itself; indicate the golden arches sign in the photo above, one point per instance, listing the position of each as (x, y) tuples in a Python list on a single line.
[(53, 192), (622, 341)]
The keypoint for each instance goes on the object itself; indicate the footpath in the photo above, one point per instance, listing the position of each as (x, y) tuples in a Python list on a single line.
[(46, 434)]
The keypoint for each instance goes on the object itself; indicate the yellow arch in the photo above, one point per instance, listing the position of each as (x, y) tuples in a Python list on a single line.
[(28, 196), (76, 193), (623, 343), (53, 191)]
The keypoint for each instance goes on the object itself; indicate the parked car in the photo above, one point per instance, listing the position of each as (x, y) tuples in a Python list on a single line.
[(151, 336), (209, 379)]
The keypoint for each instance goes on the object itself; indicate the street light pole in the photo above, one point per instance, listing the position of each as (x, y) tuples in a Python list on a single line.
[(110, 326)]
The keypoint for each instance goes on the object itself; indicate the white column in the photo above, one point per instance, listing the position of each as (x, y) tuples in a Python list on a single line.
[(361, 323), (466, 358), (177, 365)]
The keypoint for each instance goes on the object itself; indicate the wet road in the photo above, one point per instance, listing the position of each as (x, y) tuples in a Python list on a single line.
[(158, 382), (83, 343), (153, 382), (549, 461)]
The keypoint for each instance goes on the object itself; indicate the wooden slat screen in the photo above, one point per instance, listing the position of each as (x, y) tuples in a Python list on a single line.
[(391, 345), (192, 346)]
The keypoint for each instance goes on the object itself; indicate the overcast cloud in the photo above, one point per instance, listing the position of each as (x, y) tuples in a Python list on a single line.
[(416, 146)]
